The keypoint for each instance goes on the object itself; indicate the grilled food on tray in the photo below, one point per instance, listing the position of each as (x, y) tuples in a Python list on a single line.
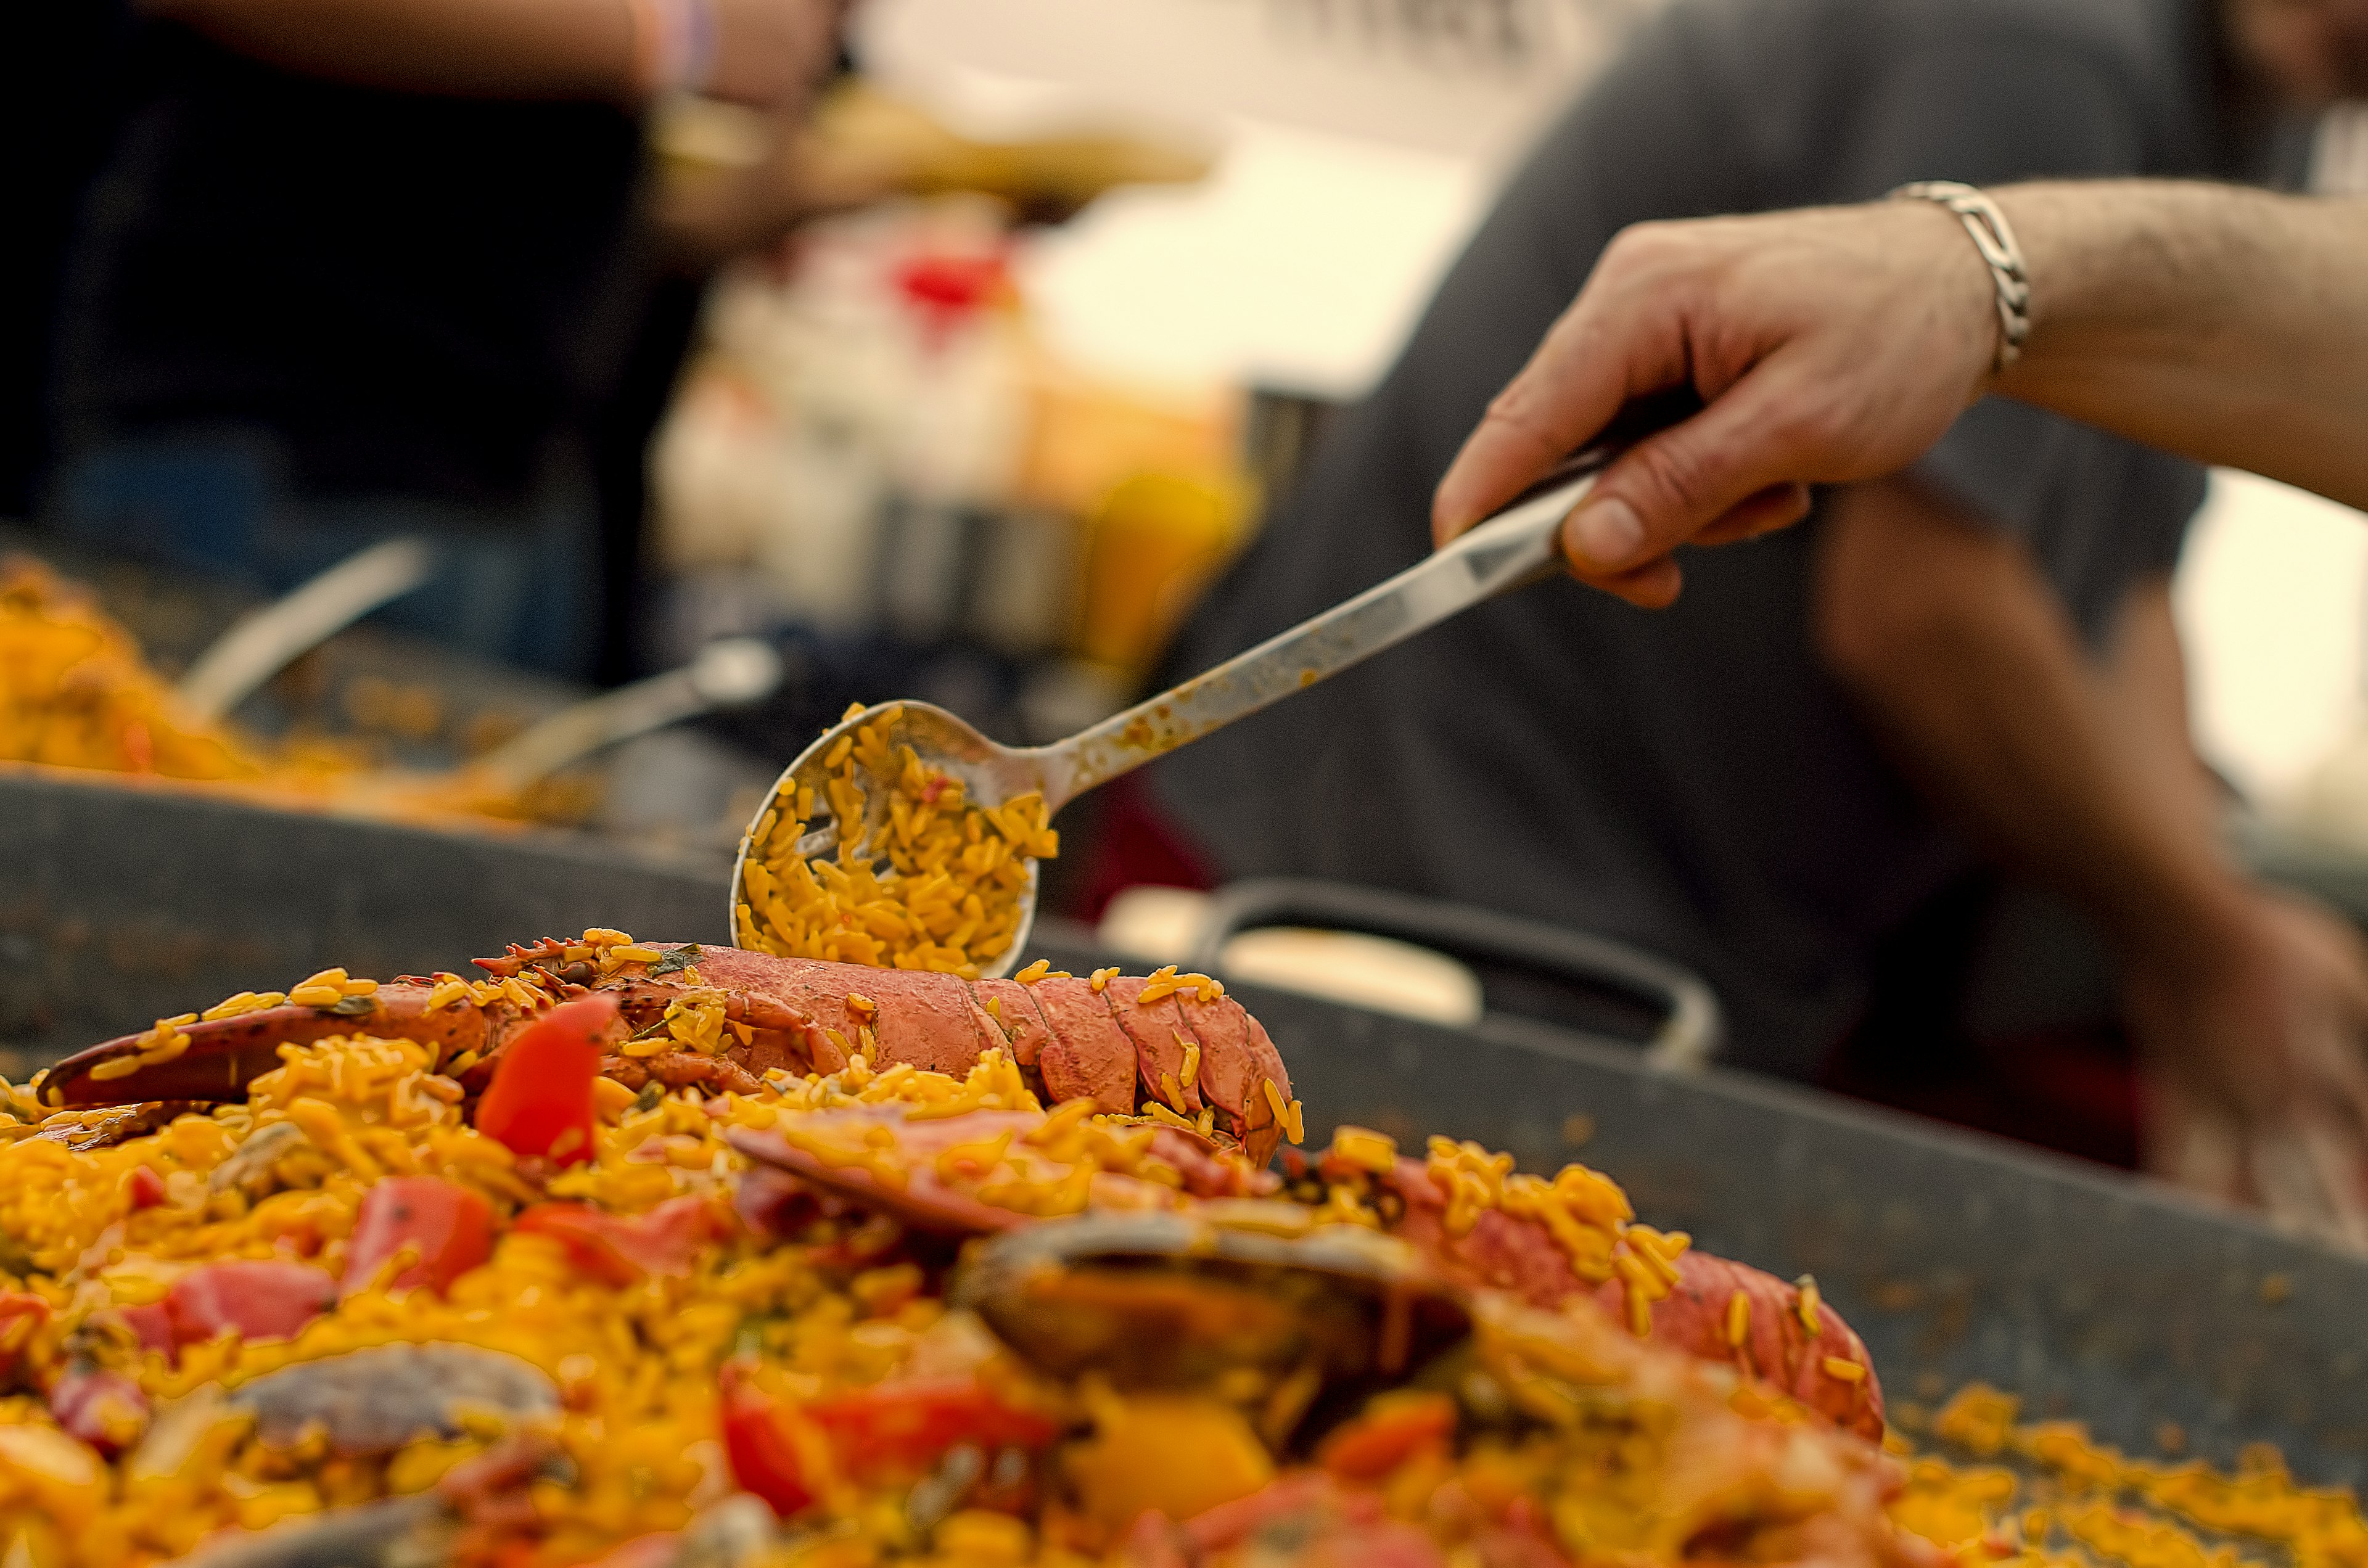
[(661, 1255)]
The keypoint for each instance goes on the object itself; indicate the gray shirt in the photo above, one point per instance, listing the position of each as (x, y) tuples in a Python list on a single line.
[(1692, 780)]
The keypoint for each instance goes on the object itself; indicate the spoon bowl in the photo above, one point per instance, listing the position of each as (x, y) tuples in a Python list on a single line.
[(990, 775)]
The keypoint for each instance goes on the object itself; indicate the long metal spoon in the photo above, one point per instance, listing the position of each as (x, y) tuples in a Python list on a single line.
[(1513, 549), (730, 673), (264, 642)]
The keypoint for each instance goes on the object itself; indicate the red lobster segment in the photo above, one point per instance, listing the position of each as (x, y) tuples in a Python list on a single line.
[(720, 1019), (1545, 1243), (1783, 1336)]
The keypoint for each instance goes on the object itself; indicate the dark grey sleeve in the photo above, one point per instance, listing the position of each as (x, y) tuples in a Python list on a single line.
[(1989, 110)]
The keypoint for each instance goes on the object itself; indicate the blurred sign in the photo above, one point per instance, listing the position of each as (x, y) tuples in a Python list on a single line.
[(1468, 77)]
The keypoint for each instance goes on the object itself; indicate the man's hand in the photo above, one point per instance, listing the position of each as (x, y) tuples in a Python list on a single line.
[(2253, 1061), (2225, 326), (1830, 346)]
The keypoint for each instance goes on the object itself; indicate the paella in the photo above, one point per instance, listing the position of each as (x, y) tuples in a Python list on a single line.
[(656, 1254)]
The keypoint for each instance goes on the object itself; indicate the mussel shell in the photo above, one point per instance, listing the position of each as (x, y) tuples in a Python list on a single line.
[(1169, 1301), (400, 1532), (376, 1400)]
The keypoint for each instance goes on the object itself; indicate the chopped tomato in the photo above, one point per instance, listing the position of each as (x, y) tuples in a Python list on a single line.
[(262, 1299), (540, 1102), (1391, 1431), (905, 1428), (896, 1428), (144, 1188), (446, 1227), (757, 1442), (619, 1250), (102, 1408), (150, 1325)]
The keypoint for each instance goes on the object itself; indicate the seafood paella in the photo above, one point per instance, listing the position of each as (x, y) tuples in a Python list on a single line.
[(656, 1254)]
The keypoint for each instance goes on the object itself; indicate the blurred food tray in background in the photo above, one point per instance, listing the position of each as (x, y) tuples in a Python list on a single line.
[(384, 699)]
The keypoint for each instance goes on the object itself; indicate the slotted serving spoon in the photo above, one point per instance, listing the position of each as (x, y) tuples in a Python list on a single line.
[(1513, 549)]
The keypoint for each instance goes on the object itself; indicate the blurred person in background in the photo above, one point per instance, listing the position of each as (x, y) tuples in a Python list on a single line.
[(350, 268), (1912, 784)]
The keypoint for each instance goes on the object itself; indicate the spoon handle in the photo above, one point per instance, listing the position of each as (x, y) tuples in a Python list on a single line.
[(268, 639), (1514, 548)]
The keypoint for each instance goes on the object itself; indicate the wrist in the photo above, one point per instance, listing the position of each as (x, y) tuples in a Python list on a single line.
[(1991, 236)]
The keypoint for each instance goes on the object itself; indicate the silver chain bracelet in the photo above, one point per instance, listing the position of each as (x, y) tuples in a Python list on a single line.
[(1994, 237)]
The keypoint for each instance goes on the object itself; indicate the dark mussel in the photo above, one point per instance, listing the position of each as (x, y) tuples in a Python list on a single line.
[(486, 1498), (374, 1401), (1202, 1300)]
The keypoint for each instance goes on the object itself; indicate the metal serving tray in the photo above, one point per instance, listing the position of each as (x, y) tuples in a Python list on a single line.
[(1958, 1256)]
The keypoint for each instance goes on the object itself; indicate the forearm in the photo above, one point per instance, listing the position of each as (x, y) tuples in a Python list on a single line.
[(2228, 326), (2143, 702), (1979, 687), (537, 48)]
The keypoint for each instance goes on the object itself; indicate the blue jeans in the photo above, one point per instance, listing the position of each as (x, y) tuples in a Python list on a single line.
[(519, 586)]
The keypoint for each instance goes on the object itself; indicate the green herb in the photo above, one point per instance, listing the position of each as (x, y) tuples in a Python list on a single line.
[(13, 1258), (674, 960), (352, 1007), (651, 1093)]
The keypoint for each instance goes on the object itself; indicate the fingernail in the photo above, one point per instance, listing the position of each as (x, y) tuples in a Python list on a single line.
[(1603, 533)]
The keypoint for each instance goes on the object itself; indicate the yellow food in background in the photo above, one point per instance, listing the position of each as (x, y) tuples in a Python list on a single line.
[(75, 691)]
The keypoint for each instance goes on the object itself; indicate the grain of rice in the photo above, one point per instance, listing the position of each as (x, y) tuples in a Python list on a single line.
[(244, 1002), (1805, 1304), (1276, 1103), (1165, 1118), (1365, 1149)]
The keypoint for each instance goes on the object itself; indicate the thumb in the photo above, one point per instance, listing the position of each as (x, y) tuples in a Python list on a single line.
[(1667, 489)]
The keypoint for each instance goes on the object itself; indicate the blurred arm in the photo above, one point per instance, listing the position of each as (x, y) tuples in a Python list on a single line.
[(1964, 662), (2249, 1008), (767, 50), (537, 48)]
